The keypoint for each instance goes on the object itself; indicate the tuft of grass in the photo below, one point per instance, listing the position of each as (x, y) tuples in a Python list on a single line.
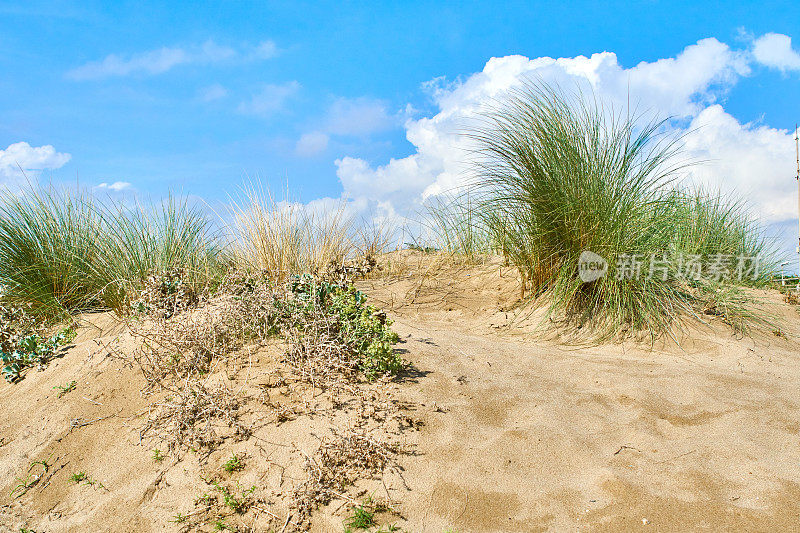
[(63, 252), (234, 464), (48, 240), (77, 477), (31, 479), (360, 518), (558, 174), (64, 389), (285, 238), (139, 242)]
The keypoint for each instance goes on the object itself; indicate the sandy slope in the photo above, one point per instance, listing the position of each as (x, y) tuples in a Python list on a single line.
[(509, 433)]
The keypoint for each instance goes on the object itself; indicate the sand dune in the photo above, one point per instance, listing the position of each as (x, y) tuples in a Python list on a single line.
[(505, 431)]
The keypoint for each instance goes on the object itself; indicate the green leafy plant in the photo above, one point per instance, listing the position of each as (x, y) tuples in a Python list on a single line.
[(158, 456), (236, 503), (77, 477), (361, 329), (32, 350)]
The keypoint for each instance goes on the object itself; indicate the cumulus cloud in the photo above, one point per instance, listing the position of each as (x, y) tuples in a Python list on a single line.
[(163, 59), (270, 99), (311, 144), (265, 50), (748, 159), (775, 50), (21, 162)]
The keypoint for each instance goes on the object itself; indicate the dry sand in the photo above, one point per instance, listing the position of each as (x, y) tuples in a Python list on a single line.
[(509, 432)]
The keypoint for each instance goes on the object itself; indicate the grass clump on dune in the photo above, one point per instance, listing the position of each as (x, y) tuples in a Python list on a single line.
[(48, 240), (62, 252), (170, 244), (558, 176), (285, 238)]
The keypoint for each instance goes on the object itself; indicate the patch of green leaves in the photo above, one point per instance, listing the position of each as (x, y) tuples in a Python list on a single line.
[(362, 328), (32, 350), (237, 501)]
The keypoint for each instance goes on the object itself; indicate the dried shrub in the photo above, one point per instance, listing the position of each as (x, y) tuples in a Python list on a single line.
[(165, 294), (189, 418), (338, 463)]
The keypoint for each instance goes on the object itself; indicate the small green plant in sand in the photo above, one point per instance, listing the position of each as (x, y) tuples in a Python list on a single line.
[(158, 456), (360, 518), (83, 477), (363, 516), (77, 477), (237, 501), (31, 478), (32, 350), (64, 389), (234, 464)]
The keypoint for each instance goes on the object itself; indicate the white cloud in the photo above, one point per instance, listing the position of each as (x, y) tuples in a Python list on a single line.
[(265, 50), (270, 99), (775, 50), (21, 162), (163, 59), (752, 160), (117, 186), (357, 116), (212, 92), (311, 144)]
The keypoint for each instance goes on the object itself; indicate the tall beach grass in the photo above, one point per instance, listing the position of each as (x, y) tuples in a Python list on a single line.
[(63, 251), (557, 174), (286, 238)]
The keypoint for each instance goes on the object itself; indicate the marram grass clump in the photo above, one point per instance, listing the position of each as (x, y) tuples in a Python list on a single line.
[(64, 252), (557, 175)]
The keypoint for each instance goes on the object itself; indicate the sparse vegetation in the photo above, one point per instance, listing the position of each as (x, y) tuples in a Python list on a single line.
[(64, 252), (77, 477), (361, 518), (32, 350), (234, 464), (31, 478), (64, 389)]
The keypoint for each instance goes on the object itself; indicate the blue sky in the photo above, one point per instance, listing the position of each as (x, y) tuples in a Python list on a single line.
[(194, 97)]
